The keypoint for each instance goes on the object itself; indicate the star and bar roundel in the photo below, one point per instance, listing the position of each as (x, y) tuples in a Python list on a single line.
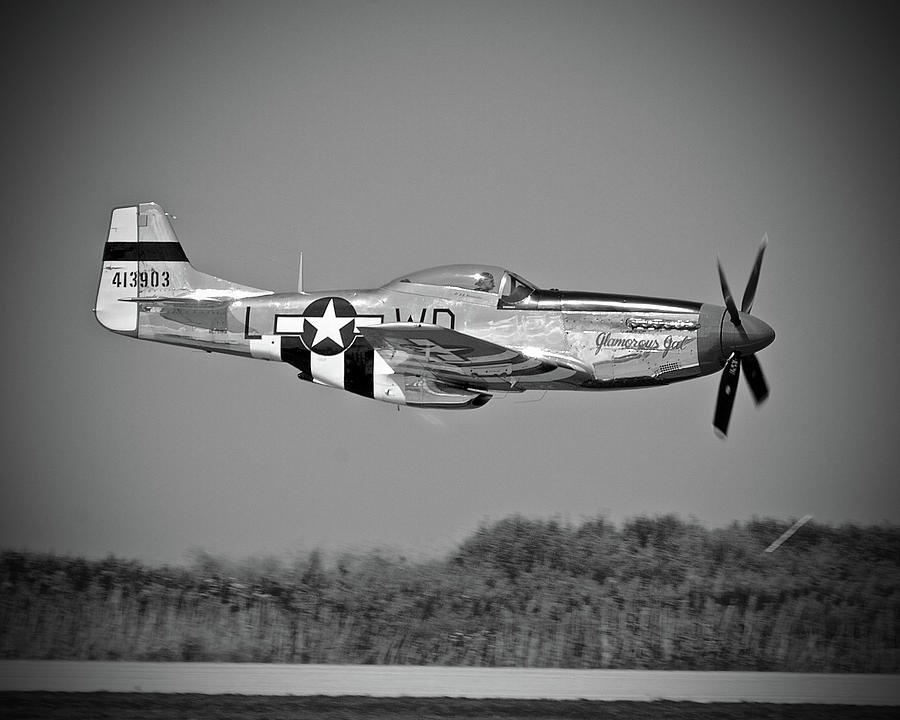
[(328, 325)]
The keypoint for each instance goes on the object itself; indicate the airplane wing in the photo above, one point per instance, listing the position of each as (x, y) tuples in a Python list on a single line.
[(457, 359)]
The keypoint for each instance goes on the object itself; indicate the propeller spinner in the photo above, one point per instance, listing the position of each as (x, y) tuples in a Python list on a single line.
[(742, 335)]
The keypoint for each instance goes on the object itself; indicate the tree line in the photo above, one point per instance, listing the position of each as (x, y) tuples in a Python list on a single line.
[(654, 593)]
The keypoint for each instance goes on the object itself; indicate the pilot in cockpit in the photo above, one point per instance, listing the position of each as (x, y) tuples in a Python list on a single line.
[(485, 282)]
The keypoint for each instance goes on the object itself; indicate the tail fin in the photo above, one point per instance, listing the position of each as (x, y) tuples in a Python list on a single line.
[(142, 259)]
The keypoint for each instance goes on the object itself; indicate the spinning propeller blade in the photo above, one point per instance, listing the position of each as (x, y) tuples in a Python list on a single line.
[(750, 291), (732, 372), (727, 389), (755, 378), (729, 300)]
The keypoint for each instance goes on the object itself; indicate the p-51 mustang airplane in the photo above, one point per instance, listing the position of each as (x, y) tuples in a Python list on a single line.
[(447, 337)]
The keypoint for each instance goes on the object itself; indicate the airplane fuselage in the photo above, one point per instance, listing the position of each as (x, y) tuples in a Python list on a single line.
[(607, 341)]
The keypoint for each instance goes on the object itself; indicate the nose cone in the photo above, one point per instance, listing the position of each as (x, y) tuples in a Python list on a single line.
[(752, 335), (717, 337)]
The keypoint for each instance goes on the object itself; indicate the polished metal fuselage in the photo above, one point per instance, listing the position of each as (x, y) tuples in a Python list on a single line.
[(598, 341)]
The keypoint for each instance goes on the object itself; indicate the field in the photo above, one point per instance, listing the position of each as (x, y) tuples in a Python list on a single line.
[(125, 706), (656, 593)]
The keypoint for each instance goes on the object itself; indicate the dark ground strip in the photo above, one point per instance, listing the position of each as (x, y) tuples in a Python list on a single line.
[(156, 706)]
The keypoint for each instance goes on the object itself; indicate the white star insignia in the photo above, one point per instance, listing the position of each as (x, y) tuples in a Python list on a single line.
[(329, 326)]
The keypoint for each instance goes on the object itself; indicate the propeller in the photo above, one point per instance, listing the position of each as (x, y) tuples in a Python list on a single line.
[(747, 336)]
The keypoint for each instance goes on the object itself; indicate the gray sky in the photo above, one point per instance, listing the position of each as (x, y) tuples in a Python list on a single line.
[(595, 146)]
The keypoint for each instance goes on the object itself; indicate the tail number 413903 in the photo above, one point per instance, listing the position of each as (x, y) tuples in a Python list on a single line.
[(144, 278)]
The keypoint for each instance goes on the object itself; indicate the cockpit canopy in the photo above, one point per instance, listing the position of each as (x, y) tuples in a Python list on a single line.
[(507, 286)]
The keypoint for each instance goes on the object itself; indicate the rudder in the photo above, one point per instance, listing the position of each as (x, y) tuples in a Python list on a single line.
[(112, 314)]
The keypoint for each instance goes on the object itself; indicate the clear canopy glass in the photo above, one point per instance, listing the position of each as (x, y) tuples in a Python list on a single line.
[(477, 278)]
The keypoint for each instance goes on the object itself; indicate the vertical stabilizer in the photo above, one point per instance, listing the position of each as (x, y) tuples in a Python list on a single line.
[(142, 258)]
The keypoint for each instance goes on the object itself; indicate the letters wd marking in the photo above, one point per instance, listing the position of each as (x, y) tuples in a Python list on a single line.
[(436, 317), (409, 317)]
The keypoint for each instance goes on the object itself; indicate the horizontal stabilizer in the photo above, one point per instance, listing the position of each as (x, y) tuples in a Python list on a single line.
[(179, 302)]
